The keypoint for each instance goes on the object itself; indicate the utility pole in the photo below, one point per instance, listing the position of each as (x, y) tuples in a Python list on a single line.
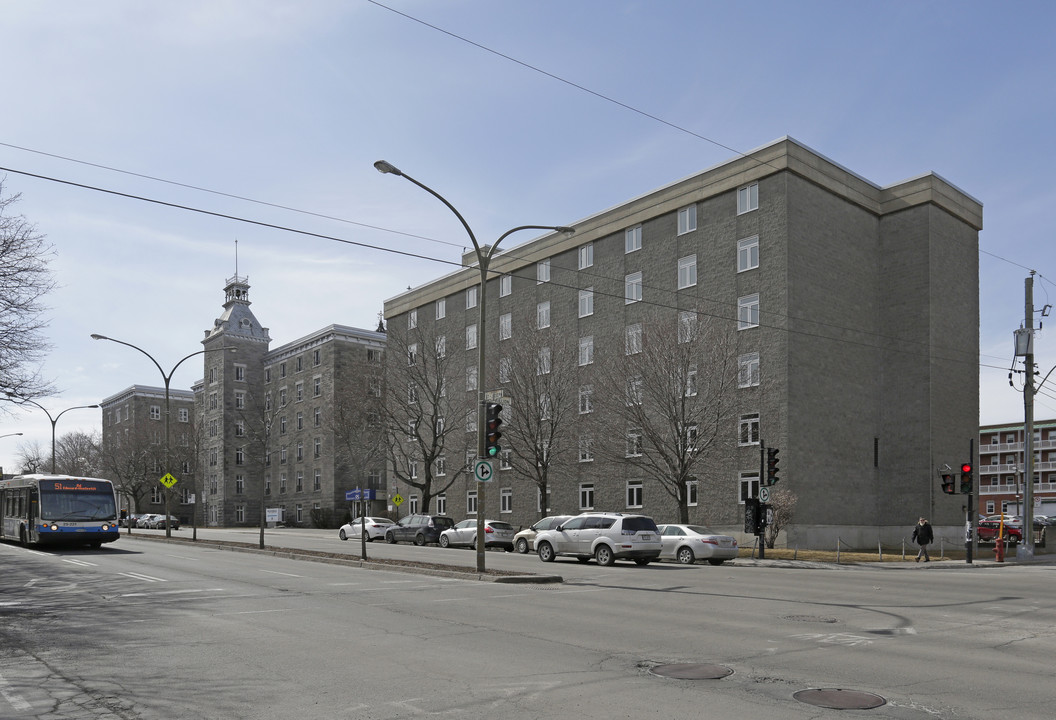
[(1025, 550)]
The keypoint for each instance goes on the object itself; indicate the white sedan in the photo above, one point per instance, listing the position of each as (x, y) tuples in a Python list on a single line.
[(689, 543), (496, 534), (375, 527)]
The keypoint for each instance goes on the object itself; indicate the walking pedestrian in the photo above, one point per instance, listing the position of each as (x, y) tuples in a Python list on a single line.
[(923, 536)]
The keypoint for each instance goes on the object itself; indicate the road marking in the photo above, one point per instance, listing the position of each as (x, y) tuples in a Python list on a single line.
[(170, 592), (834, 639), (138, 576), (80, 562), (255, 612), (275, 572), (13, 698)]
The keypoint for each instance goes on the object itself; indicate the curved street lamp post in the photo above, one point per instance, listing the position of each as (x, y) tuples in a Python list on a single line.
[(54, 419), (168, 444), (484, 256)]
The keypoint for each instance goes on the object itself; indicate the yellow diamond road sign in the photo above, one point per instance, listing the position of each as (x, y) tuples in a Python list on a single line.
[(167, 480), (397, 499)]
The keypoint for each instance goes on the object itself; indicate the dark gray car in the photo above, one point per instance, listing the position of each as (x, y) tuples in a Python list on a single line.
[(419, 529)]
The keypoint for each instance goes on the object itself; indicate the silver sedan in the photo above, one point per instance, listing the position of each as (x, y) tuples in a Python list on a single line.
[(375, 527), (689, 543), (496, 534)]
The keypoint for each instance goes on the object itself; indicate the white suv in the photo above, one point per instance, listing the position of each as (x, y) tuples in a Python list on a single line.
[(606, 537)]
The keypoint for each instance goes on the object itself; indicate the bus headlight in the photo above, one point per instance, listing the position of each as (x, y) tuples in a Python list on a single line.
[(54, 527)]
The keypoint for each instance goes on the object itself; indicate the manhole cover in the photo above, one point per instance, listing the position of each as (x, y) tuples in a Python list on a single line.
[(692, 671), (839, 699)]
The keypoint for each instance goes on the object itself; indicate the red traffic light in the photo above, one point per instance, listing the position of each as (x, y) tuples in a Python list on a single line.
[(966, 468)]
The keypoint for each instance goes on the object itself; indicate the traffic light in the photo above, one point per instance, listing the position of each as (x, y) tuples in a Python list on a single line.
[(492, 421), (947, 482), (966, 478), (771, 466)]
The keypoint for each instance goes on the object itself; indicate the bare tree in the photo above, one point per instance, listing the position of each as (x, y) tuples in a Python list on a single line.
[(32, 458), (541, 395), (670, 400), (78, 453), (783, 502), (357, 423), (425, 414), (24, 281), (132, 459)]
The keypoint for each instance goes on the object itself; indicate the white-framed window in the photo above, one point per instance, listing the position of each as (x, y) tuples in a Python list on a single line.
[(298, 391), (687, 271), (317, 386), (632, 239), (317, 358), (412, 394), (412, 353), (748, 198), (586, 496), (633, 391), (155, 412), (691, 433), (506, 460), (505, 326), (586, 350), (240, 428), (506, 500), (632, 288), (471, 502), (748, 311), (471, 336), (634, 442), (542, 315), (412, 469), (692, 492), (542, 271), (586, 256), (240, 373), (748, 429), (413, 503), (240, 456), (505, 369), (748, 253), (471, 297), (317, 480), (586, 448), (505, 285), (441, 347), (412, 319), (634, 493), (687, 219), (543, 363), (441, 504), (749, 482), (748, 370), (183, 415), (441, 308), (440, 466), (632, 339), (586, 399), (471, 378), (317, 447), (586, 302), (687, 326), (546, 409)]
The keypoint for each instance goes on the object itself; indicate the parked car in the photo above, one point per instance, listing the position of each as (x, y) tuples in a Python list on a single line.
[(146, 520), (689, 543), (987, 531), (606, 537), (157, 522), (496, 534), (375, 527), (419, 529), (133, 520), (524, 541)]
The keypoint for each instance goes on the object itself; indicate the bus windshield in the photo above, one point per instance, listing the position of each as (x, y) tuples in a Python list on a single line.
[(82, 500)]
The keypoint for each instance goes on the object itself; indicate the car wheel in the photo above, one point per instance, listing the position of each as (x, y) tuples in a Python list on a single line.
[(522, 546), (716, 561), (390, 538), (419, 539), (685, 555), (546, 552), (444, 542), (342, 535), (603, 555), (473, 545)]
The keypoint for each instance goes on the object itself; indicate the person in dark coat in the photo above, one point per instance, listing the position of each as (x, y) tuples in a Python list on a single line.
[(923, 536)]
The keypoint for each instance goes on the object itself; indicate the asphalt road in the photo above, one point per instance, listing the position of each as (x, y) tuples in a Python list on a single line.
[(145, 629)]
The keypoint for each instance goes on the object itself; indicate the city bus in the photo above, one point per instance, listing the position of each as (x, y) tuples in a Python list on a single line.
[(58, 510)]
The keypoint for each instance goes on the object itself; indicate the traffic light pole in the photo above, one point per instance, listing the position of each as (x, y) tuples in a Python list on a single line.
[(760, 531), (969, 524)]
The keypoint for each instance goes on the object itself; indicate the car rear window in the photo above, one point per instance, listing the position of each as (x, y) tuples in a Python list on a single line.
[(639, 524), (443, 522), (502, 526)]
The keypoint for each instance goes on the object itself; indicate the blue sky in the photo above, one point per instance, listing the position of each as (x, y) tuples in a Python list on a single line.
[(539, 112)]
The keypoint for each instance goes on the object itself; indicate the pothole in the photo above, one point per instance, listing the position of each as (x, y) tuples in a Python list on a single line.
[(810, 618), (692, 671), (840, 699)]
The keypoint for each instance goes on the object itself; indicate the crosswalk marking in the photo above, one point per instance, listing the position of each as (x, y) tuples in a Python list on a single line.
[(138, 576)]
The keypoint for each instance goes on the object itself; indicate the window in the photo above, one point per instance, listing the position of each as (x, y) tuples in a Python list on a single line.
[(317, 481), (506, 500), (586, 302), (282, 483), (505, 285), (506, 461), (543, 364), (634, 442), (318, 449), (282, 425), (318, 413), (282, 369), (586, 399), (542, 315), (632, 239), (749, 429), (471, 297), (505, 326), (300, 421), (748, 370), (240, 484), (586, 448), (412, 393), (299, 484), (412, 353), (413, 505), (471, 502), (748, 253), (441, 504), (586, 496), (687, 272), (316, 358), (412, 319), (373, 356), (632, 288), (240, 428), (471, 336), (691, 381), (300, 359), (412, 469), (748, 312), (440, 466), (240, 373), (634, 493), (633, 394), (542, 271), (267, 374), (155, 412), (317, 386), (691, 438), (471, 378), (749, 485), (687, 219), (299, 391), (632, 339), (441, 308), (240, 456), (586, 350), (586, 256), (441, 347), (505, 369), (184, 415), (687, 326), (692, 492), (748, 198)]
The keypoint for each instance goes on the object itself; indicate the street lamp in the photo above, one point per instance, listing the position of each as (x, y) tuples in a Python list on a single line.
[(484, 256), (54, 420), (10, 435), (167, 378)]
